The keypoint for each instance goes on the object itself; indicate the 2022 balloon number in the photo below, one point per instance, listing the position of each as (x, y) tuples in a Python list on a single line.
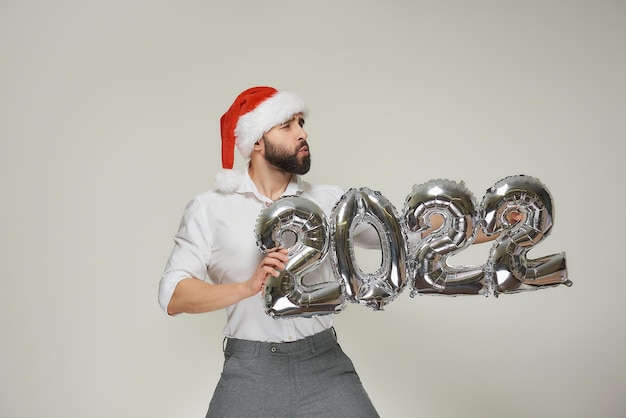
[(410, 257)]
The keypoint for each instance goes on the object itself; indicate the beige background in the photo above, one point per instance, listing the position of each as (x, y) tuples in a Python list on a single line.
[(109, 125)]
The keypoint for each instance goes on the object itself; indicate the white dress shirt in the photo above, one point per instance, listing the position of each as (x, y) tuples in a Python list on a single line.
[(216, 242)]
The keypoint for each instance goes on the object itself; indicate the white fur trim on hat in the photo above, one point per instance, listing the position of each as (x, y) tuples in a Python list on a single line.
[(275, 110)]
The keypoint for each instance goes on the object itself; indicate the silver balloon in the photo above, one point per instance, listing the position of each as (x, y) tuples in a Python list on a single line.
[(509, 269), (457, 206), (365, 206), (300, 226)]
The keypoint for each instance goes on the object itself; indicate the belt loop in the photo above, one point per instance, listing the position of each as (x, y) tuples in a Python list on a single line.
[(334, 332), (257, 349), (224, 343), (312, 343)]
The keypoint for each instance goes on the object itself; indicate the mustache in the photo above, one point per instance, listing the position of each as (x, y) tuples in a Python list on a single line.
[(302, 145)]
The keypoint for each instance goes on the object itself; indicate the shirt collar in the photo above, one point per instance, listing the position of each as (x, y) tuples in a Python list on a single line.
[(296, 187)]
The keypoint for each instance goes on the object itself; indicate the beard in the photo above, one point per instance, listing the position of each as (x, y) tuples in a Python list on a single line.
[(286, 161)]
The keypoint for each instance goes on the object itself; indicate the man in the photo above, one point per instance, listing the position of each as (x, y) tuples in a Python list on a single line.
[(287, 367)]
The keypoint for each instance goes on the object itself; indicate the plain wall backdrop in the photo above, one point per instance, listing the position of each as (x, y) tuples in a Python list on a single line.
[(109, 117)]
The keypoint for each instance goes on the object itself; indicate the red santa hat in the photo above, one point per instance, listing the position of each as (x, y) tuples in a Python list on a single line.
[(254, 112)]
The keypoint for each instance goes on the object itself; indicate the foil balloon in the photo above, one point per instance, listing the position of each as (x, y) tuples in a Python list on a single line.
[(509, 268), (300, 226), (432, 273), (355, 208)]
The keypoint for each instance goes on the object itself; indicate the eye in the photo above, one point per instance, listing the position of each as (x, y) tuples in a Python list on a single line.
[(301, 122)]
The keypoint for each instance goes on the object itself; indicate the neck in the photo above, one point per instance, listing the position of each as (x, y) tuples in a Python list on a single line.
[(269, 181)]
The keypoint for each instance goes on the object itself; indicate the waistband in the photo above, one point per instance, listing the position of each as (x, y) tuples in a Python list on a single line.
[(315, 342)]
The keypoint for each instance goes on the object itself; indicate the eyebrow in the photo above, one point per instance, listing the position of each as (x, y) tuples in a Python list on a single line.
[(300, 119)]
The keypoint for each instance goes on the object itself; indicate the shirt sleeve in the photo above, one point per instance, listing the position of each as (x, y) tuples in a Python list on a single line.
[(191, 253), (366, 236)]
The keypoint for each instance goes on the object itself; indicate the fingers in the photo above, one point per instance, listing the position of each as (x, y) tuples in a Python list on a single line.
[(260, 276), (514, 217), (270, 266), (277, 258)]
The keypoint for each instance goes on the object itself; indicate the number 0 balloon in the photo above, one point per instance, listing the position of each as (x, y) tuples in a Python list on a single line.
[(365, 206)]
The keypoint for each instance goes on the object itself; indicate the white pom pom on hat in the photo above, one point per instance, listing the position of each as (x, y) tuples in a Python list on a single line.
[(254, 112)]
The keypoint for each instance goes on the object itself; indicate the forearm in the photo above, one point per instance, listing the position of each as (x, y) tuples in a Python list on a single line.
[(196, 296)]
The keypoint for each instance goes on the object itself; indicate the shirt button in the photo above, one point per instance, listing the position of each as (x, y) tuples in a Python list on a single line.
[(273, 349)]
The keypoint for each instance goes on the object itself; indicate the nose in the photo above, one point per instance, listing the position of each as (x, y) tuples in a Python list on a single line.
[(302, 135)]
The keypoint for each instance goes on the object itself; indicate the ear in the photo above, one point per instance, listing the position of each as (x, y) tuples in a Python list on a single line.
[(259, 145)]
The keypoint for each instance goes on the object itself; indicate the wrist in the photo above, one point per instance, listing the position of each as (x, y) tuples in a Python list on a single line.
[(245, 289)]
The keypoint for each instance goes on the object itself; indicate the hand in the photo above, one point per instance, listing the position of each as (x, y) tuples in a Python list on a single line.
[(514, 217), (268, 267)]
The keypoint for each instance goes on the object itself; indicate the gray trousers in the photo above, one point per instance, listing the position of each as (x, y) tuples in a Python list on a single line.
[(307, 378)]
